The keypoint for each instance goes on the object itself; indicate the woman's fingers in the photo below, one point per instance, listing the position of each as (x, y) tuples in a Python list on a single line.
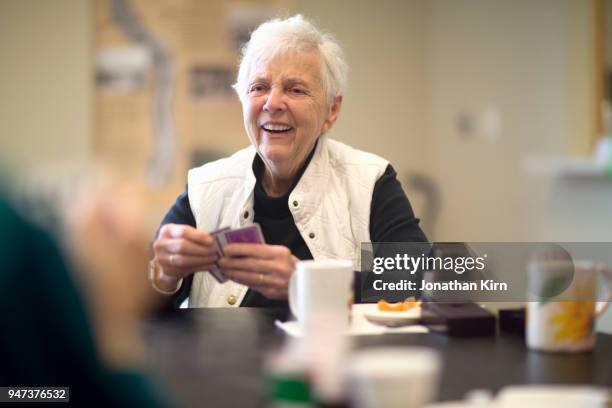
[(183, 247), (255, 265), (271, 286), (264, 268), (181, 250), (180, 261), (261, 251), (186, 232)]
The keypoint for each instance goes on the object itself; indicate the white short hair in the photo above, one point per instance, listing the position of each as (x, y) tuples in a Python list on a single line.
[(299, 34)]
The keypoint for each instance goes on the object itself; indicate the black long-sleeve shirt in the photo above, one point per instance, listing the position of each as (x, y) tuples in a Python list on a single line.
[(391, 220)]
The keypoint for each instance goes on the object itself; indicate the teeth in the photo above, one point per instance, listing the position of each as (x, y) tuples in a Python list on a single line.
[(276, 128)]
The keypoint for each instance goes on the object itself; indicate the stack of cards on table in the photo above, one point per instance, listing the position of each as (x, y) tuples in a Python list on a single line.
[(249, 234)]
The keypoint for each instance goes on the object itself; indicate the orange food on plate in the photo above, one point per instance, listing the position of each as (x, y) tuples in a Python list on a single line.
[(408, 304)]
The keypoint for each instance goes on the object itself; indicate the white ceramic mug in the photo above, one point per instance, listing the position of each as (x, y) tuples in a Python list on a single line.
[(564, 319), (320, 288), (393, 377)]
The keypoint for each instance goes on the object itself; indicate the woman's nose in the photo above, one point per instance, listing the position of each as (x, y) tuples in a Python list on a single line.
[(275, 101)]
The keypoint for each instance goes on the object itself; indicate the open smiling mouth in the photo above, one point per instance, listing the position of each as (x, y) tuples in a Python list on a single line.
[(276, 128)]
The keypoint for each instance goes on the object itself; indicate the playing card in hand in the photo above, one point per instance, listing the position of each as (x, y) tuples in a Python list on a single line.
[(249, 234), (215, 271)]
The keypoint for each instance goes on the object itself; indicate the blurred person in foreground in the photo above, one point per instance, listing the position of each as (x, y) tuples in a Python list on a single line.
[(79, 330), (312, 196)]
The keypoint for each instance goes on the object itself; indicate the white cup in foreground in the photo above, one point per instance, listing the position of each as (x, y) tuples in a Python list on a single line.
[(393, 377), (320, 288)]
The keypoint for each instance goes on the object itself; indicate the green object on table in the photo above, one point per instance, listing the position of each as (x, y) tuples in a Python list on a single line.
[(288, 388)]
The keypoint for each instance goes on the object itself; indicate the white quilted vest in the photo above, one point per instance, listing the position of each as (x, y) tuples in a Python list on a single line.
[(330, 206)]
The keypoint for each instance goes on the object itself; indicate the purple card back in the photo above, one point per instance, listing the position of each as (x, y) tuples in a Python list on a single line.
[(250, 234)]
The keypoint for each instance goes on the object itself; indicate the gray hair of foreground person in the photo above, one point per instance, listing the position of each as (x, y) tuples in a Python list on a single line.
[(294, 33)]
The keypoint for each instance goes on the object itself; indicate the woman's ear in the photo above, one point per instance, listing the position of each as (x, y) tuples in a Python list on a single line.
[(332, 114)]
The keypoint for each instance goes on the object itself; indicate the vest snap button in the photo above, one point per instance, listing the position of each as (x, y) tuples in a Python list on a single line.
[(295, 203), (246, 215), (311, 235)]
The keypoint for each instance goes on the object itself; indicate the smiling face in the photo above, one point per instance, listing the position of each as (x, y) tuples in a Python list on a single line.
[(285, 110)]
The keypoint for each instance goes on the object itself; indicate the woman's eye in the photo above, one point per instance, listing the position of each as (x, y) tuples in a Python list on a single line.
[(297, 91), (256, 88)]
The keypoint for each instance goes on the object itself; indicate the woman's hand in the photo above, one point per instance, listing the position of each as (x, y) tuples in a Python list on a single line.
[(181, 250), (264, 268)]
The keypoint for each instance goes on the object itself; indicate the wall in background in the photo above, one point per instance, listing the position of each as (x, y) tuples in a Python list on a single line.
[(45, 82), (508, 62), (502, 59)]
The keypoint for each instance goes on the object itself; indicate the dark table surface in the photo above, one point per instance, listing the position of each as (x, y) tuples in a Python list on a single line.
[(214, 357)]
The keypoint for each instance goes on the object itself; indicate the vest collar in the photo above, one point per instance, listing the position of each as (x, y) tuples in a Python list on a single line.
[(314, 174), (309, 190), (249, 179)]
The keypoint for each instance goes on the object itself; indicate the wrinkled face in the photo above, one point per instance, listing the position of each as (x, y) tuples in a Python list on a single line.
[(285, 108)]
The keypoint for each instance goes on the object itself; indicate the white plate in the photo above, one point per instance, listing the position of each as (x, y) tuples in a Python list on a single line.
[(385, 318)]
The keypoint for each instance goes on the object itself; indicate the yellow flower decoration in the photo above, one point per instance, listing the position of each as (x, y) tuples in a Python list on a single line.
[(574, 322)]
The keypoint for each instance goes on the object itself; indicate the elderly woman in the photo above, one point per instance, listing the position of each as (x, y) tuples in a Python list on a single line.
[(312, 196)]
